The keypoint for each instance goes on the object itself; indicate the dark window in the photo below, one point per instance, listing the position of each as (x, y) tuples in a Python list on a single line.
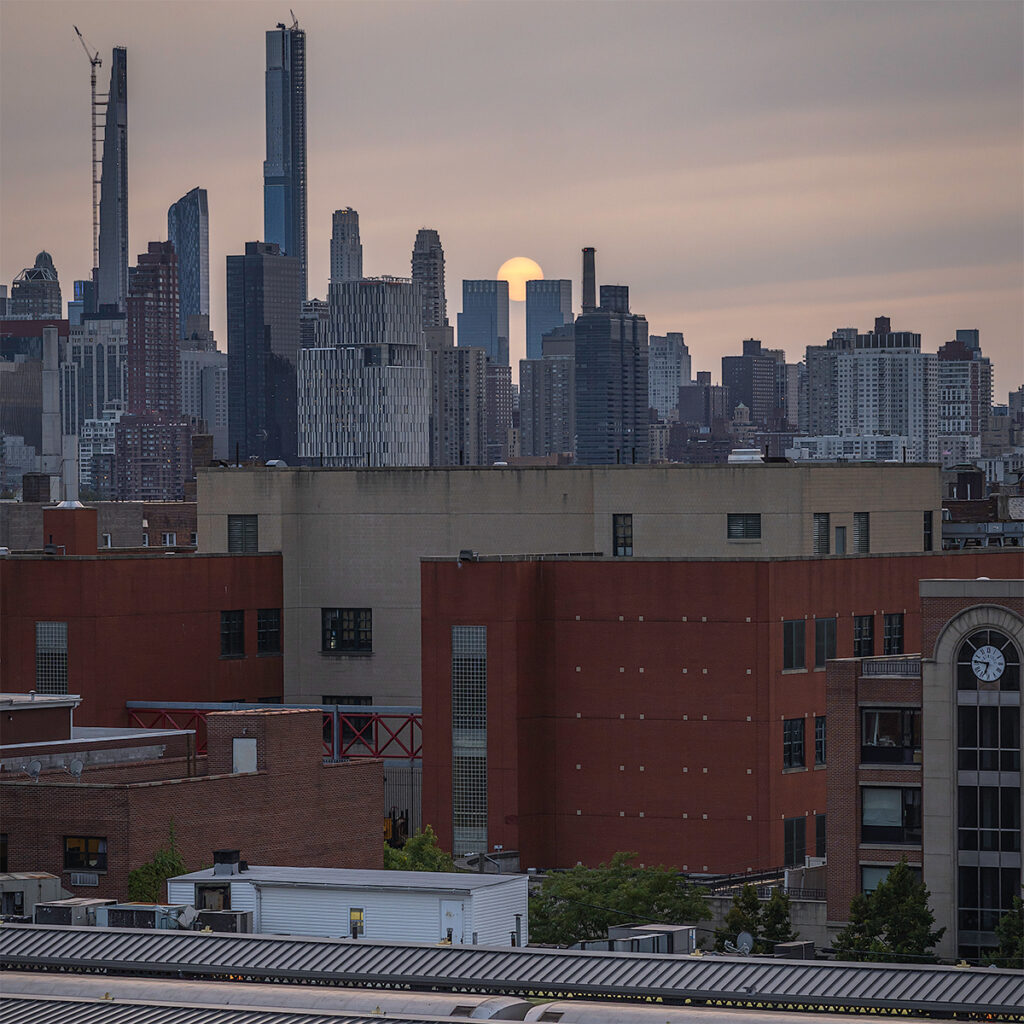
[(744, 526), (213, 897), (819, 739), (232, 634), (347, 629), (819, 835), (861, 532), (243, 534), (793, 644), (928, 535), (988, 738), (863, 636), (794, 832), (890, 815), (3, 852), (989, 818), (85, 853), (824, 641), (892, 640), (840, 540), (870, 876), (890, 736), (268, 631), (793, 743), (821, 530), (984, 894), (622, 535), (999, 670)]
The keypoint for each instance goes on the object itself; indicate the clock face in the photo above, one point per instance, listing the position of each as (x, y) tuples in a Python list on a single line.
[(988, 663)]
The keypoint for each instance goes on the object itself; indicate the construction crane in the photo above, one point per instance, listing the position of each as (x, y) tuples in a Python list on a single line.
[(99, 101)]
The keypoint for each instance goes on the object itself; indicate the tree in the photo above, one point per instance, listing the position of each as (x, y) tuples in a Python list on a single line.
[(893, 923), (767, 922), (1010, 933), (582, 902), (420, 853), (148, 882)]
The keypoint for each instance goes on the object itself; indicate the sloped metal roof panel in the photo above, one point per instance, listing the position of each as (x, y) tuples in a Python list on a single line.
[(479, 969)]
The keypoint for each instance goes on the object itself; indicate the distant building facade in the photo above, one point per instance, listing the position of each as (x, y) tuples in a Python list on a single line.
[(204, 395), (668, 369), (346, 248), (750, 378), (548, 305), (188, 230), (428, 274), (154, 332), (483, 322), (112, 273), (94, 372), (35, 292)]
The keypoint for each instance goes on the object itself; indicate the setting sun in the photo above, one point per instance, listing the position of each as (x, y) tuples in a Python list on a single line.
[(517, 271)]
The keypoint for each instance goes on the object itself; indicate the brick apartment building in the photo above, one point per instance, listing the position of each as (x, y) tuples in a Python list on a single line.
[(924, 761), (90, 805), (575, 707), (140, 626)]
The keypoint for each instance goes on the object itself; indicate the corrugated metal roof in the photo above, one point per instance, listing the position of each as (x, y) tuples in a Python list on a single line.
[(351, 878), (765, 983)]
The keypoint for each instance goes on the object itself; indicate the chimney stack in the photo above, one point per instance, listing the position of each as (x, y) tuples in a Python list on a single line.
[(589, 287)]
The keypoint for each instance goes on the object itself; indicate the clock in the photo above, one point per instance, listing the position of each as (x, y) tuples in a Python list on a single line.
[(988, 663)]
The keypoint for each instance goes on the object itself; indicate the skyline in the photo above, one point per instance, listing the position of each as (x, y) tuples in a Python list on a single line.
[(793, 168)]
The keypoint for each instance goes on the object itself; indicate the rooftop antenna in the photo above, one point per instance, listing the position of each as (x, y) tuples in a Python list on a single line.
[(99, 100)]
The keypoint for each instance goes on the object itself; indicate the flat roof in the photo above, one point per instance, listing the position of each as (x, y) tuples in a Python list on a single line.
[(21, 701), (353, 878)]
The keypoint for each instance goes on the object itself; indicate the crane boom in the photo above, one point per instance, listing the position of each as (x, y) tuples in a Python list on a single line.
[(95, 125)]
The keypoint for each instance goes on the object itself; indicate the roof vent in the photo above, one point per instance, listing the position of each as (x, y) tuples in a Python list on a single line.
[(226, 862)]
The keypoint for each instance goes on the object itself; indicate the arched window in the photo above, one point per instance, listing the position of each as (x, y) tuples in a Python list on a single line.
[(988, 660)]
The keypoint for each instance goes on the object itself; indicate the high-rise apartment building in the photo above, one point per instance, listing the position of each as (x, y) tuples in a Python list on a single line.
[(154, 457), (462, 437), (821, 383), (547, 405), (428, 274), (188, 230), (35, 292), (346, 248), (365, 399), (498, 406), (204, 395), (964, 398), (264, 301), (483, 322), (284, 170), (153, 333), (668, 369), (94, 372), (315, 323), (750, 378), (112, 273), (548, 305)]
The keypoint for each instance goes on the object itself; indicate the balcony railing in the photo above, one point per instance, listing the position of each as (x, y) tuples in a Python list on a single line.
[(905, 668)]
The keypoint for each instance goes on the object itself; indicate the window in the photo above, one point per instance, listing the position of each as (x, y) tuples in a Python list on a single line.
[(355, 922), (988, 660), (793, 743), (744, 526), (890, 815), (821, 528), (469, 738), (819, 739), (840, 540), (213, 897), (622, 535), (988, 738), (85, 853), (928, 535), (243, 534), (232, 634), (988, 818), (892, 639), (870, 876), (108, 541), (145, 540), (51, 657), (347, 630), (819, 835), (793, 644), (984, 894), (863, 636), (268, 631), (861, 532), (169, 540), (794, 831), (824, 641), (890, 736), (193, 538)]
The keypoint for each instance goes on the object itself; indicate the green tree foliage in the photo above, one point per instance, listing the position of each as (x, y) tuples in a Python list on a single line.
[(1010, 933), (582, 902), (767, 922), (148, 883), (420, 853), (893, 923)]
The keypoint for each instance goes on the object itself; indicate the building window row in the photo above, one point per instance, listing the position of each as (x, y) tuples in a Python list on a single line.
[(794, 635), (232, 632)]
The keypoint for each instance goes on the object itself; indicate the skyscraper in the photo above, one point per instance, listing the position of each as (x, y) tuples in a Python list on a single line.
[(548, 305), (112, 273), (188, 229), (483, 321), (668, 370), (428, 273), (35, 292), (346, 249), (750, 379), (284, 170), (264, 301)]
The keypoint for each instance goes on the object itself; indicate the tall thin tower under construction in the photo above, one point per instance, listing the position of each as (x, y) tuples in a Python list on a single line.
[(112, 284)]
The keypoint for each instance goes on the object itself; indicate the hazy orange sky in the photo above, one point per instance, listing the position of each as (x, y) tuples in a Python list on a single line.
[(762, 169)]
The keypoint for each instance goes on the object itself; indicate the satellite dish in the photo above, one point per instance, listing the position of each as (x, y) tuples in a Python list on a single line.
[(75, 768), (745, 943), (33, 768)]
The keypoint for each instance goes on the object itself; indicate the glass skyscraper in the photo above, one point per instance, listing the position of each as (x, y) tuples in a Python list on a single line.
[(483, 321), (284, 170), (188, 230), (112, 273), (548, 305)]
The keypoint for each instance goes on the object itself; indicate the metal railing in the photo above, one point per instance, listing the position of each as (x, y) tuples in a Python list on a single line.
[(905, 668)]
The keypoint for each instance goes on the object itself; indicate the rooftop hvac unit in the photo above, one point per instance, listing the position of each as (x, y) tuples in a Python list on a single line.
[(239, 921), (146, 915), (74, 911)]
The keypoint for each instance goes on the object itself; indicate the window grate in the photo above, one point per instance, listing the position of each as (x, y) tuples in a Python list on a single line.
[(52, 657), (743, 526)]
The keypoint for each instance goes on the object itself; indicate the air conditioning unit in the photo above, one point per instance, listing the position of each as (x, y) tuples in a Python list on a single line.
[(75, 911), (239, 921), (146, 915), (84, 878)]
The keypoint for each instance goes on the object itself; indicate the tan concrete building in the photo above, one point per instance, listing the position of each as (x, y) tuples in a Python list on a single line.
[(352, 538)]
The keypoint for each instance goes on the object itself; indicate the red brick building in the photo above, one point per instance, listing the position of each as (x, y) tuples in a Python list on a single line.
[(575, 707), (101, 802), (140, 626)]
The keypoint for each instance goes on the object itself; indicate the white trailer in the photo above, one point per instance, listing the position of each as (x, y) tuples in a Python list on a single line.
[(414, 906)]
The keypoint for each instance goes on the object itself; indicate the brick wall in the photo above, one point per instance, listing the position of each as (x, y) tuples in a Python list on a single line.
[(937, 611)]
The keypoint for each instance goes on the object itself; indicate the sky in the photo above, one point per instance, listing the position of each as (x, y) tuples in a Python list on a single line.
[(771, 170)]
